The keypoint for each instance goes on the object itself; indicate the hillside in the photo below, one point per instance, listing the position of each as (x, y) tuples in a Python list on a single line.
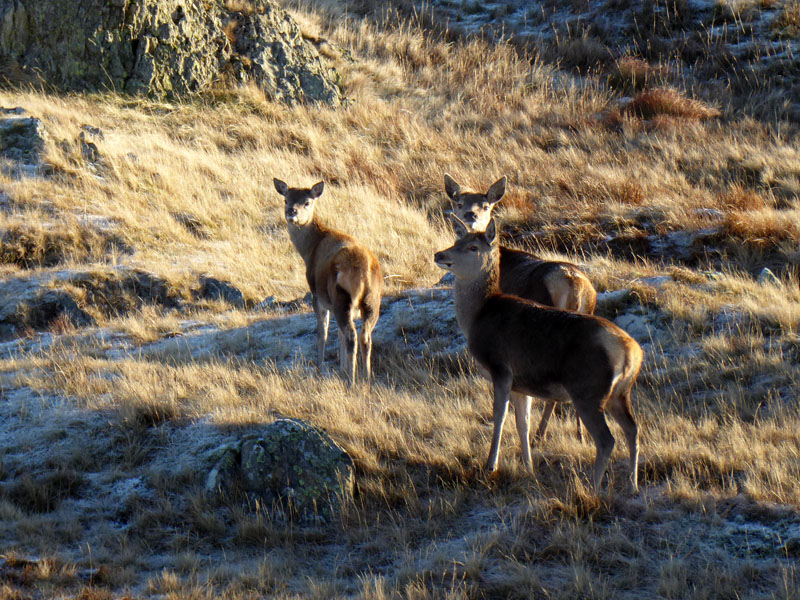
[(152, 309)]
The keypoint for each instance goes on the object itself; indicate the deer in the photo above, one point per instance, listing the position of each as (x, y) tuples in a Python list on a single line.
[(535, 350), (553, 283), (344, 277)]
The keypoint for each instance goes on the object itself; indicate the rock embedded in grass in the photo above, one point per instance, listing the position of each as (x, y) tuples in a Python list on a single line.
[(22, 137), (214, 289), (294, 468)]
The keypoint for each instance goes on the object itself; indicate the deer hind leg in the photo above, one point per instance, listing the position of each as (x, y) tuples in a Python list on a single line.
[(347, 349), (522, 415), (502, 390), (369, 319), (323, 320), (595, 421), (342, 310), (620, 408)]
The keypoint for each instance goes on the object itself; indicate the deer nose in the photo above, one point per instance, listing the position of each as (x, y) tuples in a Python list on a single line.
[(440, 258), (469, 216)]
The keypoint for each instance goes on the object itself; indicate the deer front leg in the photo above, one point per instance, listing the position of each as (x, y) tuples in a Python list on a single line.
[(548, 410), (502, 391), (522, 414), (323, 320)]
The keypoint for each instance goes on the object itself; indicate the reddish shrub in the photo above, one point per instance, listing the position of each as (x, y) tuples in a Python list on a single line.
[(670, 102)]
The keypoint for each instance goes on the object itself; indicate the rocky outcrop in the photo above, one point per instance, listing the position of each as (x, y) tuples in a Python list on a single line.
[(292, 466), (22, 139), (164, 47)]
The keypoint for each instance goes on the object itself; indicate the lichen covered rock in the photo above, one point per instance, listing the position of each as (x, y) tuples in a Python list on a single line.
[(164, 48), (291, 466)]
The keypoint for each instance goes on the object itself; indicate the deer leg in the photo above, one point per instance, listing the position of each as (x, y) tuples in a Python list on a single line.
[(522, 415), (620, 409), (548, 410), (594, 419), (347, 335), (323, 320), (502, 391), (340, 333), (350, 351), (347, 350), (369, 318)]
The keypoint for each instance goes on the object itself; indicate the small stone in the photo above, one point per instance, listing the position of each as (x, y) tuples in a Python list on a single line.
[(270, 303), (90, 132), (767, 277), (90, 152), (214, 289)]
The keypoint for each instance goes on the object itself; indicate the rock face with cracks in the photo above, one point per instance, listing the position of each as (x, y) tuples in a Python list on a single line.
[(163, 48)]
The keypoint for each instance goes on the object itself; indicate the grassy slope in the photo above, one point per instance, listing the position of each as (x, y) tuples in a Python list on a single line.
[(720, 439)]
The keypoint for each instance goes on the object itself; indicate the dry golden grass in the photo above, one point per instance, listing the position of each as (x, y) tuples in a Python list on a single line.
[(185, 189)]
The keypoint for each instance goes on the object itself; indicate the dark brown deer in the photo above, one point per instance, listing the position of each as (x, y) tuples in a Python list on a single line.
[(344, 277), (536, 350), (552, 283)]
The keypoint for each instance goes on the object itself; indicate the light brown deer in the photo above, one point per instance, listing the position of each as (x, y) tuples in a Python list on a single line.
[(548, 282), (536, 350), (344, 277)]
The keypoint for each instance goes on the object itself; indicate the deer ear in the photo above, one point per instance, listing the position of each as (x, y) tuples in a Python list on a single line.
[(452, 189), (280, 186), (496, 191), (459, 227), (491, 233), (316, 190)]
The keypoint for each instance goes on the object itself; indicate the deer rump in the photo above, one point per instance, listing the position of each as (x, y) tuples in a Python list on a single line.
[(524, 275), (336, 268)]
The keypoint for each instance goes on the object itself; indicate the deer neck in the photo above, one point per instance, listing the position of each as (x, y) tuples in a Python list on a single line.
[(306, 237), (473, 292)]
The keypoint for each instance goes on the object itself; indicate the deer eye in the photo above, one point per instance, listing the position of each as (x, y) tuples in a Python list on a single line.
[(473, 248), (307, 203), (485, 205)]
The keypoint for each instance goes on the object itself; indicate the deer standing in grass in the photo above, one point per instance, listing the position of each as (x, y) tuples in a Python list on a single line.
[(552, 283), (344, 277), (535, 350)]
